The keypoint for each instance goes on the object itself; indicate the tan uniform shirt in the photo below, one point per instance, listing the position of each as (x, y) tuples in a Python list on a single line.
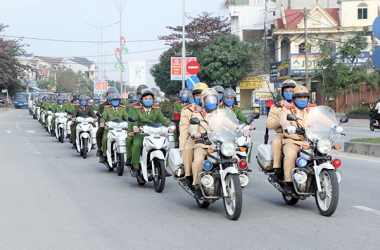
[(184, 123)]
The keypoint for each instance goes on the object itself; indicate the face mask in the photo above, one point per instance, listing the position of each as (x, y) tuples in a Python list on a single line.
[(96, 101), (301, 103), (108, 97), (60, 102), (83, 103), (115, 103), (71, 98), (197, 101), (148, 103), (210, 105), (288, 96), (220, 98), (138, 97), (52, 101), (185, 99), (191, 101), (77, 101), (229, 103), (130, 100)]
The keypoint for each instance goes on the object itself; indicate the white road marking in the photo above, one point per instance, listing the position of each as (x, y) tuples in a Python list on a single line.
[(30, 131), (18, 127), (8, 131), (367, 209)]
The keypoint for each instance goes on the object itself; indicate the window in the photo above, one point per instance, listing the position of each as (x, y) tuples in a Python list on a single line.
[(362, 11), (257, 2), (316, 20), (301, 48)]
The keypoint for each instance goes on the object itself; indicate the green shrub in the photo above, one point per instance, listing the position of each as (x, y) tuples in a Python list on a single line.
[(359, 111), (167, 106)]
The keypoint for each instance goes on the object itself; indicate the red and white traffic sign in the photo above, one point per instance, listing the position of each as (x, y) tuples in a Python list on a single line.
[(193, 67)]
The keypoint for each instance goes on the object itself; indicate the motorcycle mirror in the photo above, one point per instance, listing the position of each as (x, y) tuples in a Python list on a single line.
[(300, 131), (132, 119), (250, 119), (344, 119), (69, 112), (99, 115), (194, 121), (291, 117), (166, 112)]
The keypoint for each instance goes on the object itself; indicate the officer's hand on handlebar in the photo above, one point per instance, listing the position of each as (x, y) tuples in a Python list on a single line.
[(102, 124), (290, 129), (251, 127), (245, 133), (171, 130), (197, 135), (73, 119), (136, 129)]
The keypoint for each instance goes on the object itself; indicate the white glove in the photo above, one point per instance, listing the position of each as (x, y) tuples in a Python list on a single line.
[(291, 129)]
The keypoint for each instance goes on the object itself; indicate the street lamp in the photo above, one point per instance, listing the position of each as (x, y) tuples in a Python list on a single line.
[(101, 29), (183, 45)]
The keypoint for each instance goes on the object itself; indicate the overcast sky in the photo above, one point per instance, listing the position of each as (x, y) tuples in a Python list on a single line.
[(66, 20)]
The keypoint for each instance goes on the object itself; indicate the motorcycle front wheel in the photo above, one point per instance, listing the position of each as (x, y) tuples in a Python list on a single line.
[(233, 203), (84, 149), (159, 178), (120, 164), (327, 200), (61, 135)]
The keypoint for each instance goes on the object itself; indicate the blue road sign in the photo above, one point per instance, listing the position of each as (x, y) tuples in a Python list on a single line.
[(376, 58), (376, 27), (191, 81)]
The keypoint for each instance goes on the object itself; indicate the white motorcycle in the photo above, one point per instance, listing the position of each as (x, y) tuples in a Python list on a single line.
[(60, 126), (153, 156), (244, 143), (49, 117), (83, 141), (116, 145)]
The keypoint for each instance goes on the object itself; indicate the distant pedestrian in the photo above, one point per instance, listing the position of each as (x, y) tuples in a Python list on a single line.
[(268, 105)]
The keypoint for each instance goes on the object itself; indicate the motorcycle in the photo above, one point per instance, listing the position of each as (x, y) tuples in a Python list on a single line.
[(116, 145), (316, 173), (372, 124), (84, 125), (49, 117), (244, 143), (223, 175), (60, 126), (153, 156)]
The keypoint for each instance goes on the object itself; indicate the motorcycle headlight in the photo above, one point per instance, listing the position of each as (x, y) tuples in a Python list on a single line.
[(228, 149), (324, 146)]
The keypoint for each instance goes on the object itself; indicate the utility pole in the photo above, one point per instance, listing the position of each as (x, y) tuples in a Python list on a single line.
[(266, 27), (308, 84), (121, 7), (183, 46)]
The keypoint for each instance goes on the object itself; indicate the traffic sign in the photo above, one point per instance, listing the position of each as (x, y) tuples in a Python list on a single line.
[(193, 67), (376, 58), (191, 81), (376, 27)]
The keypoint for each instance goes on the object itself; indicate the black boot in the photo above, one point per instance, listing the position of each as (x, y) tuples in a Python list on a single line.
[(167, 173), (67, 136), (73, 147), (276, 176), (289, 187), (99, 153), (135, 172), (102, 159), (197, 193), (128, 162), (187, 181)]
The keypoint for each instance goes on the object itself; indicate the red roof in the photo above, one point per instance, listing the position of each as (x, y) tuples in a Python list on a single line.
[(294, 16)]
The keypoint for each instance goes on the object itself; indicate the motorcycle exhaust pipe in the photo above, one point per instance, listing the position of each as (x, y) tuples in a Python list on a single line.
[(244, 180), (207, 180)]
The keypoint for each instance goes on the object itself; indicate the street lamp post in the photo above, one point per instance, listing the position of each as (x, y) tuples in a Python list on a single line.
[(101, 29), (183, 46)]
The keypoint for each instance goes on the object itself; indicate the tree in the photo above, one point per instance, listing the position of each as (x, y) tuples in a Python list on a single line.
[(199, 32), (47, 84), (226, 59), (11, 69), (161, 74), (69, 81)]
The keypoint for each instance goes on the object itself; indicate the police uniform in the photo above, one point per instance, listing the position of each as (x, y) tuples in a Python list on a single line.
[(57, 108), (179, 105), (236, 109), (111, 113), (95, 106), (129, 140), (79, 110), (292, 142), (144, 117), (100, 131)]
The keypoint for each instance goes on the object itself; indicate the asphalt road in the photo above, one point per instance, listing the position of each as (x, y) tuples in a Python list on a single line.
[(51, 198)]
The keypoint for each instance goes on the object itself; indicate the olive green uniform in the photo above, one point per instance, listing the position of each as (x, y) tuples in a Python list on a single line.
[(100, 132), (143, 118), (79, 111), (130, 138), (110, 113), (57, 108)]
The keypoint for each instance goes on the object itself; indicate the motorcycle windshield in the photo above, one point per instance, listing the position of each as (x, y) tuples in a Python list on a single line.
[(321, 123), (223, 126)]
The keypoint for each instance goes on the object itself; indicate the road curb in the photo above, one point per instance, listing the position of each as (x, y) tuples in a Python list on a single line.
[(362, 148)]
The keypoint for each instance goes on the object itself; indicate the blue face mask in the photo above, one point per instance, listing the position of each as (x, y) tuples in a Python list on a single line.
[(197, 101), (52, 101), (138, 97), (83, 103), (210, 105), (229, 103), (191, 101), (220, 98), (96, 101), (301, 103), (130, 100), (108, 97), (71, 98), (115, 103), (60, 102), (148, 103), (185, 99), (77, 101), (288, 96)]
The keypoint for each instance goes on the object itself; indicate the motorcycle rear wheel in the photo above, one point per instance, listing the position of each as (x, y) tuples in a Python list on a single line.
[(84, 149), (290, 200), (61, 135), (327, 200), (120, 164), (159, 179), (233, 203)]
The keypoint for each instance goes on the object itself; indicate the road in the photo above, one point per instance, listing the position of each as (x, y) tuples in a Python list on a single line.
[(51, 198)]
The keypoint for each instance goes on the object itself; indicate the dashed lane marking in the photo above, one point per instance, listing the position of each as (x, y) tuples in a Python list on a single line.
[(8, 131), (367, 209), (30, 131), (18, 127)]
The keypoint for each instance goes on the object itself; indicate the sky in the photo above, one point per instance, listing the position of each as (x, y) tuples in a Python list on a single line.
[(67, 20)]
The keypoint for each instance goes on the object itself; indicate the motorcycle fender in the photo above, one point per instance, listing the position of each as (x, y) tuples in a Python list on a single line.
[(84, 135), (317, 171), (223, 174)]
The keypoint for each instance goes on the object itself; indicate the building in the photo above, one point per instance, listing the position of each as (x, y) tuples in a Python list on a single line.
[(84, 65)]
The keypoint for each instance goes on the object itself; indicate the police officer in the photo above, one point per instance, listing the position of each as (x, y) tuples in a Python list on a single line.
[(58, 107), (220, 91), (111, 112), (184, 96), (83, 108), (100, 132), (145, 114), (273, 122), (96, 104), (186, 144)]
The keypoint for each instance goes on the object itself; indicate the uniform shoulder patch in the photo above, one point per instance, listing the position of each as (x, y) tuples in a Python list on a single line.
[(178, 101), (311, 105), (237, 106), (138, 107), (188, 106), (289, 107)]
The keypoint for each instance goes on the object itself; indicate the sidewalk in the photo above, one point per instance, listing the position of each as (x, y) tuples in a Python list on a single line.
[(5, 109)]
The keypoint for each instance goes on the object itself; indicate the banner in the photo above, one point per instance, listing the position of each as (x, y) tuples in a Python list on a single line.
[(280, 70), (298, 63), (100, 87), (176, 67), (137, 73), (251, 82)]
